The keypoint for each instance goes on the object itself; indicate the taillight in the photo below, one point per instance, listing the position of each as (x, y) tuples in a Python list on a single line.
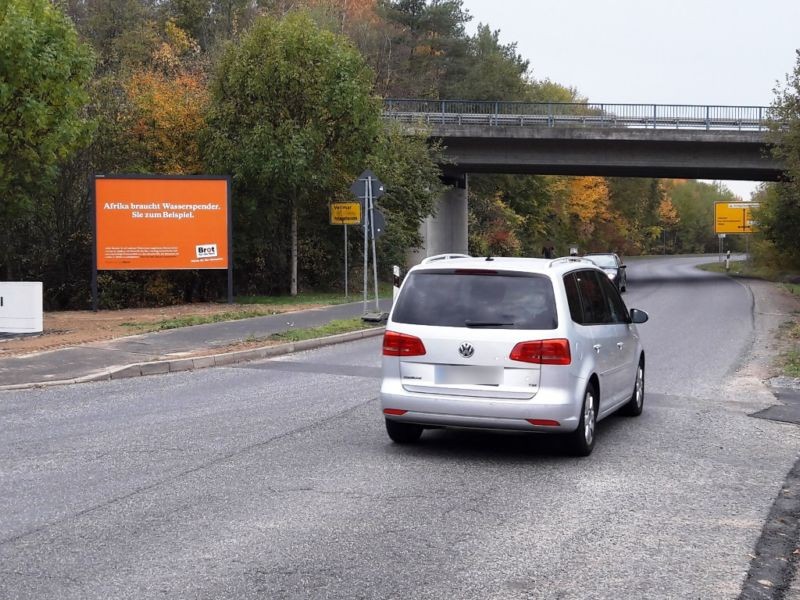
[(401, 344), (543, 352), (544, 422), (398, 412)]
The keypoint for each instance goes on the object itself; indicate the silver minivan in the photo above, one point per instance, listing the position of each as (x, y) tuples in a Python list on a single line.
[(523, 344)]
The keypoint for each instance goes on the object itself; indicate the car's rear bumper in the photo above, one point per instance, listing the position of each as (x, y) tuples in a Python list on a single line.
[(552, 406)]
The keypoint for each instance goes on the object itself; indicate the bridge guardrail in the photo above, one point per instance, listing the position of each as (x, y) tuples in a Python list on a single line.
[(567, 114)]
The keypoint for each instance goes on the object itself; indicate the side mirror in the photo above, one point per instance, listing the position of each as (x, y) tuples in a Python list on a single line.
[(639, 316), (623, 266)]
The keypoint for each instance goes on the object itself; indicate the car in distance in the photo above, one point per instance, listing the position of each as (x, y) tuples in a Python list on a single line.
[(612, 266), (523, 344)]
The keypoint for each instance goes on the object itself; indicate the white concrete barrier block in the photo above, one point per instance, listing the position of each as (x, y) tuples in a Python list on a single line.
[(21, 307)]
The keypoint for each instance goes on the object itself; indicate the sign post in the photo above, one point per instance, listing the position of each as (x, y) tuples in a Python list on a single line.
[(735, 217), (368, 188), (345, 213)]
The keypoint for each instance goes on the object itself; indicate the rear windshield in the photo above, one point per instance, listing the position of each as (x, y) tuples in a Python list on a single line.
[(458, 298), (605, 261)]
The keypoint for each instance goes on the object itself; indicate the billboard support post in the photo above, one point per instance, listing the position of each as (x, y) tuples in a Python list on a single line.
[(92, 208), (230, 244)]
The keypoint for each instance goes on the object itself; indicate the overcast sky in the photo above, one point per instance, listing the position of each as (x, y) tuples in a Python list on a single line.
[(721, 52)]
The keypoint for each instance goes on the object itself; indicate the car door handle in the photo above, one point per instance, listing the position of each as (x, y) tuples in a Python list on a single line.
[(597, 348)]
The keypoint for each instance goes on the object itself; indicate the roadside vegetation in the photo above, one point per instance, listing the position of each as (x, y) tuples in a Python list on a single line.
[(285, 96), (190, 320), (757, 269), (333, 328), (319, 298), (248, 307), (788, 360)]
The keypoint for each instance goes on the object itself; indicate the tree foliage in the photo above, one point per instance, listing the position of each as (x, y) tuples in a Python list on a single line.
[(44, 69), (292, 118), (43, 73), (409, 168), (780, 210), (167, 100), (283, 95)]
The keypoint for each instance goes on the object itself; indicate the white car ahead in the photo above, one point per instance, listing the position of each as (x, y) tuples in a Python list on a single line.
[(525, 344)]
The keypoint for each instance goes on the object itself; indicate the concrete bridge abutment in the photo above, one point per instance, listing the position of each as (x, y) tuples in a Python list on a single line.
[(446, 230)]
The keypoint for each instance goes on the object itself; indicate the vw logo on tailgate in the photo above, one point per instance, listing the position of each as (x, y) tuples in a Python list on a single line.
[(466, 350)]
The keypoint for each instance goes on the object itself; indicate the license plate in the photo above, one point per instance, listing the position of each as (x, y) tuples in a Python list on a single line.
[(468, 375)]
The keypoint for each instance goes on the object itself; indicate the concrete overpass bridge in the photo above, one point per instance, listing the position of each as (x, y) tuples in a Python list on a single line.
[(624, 140)]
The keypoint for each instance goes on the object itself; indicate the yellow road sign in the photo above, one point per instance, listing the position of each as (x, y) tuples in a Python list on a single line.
[(345, 213), (734, 217)]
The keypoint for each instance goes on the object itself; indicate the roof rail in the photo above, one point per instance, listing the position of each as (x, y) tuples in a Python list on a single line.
[(569, 259), (447, 256)]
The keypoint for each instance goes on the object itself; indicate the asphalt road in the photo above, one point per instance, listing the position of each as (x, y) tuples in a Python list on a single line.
[(276, 479)]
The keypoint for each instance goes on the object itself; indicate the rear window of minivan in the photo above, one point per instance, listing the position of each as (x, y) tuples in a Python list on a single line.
[(478, 299)]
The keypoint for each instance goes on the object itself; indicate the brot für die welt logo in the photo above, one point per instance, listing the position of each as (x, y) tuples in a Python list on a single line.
[(206, 250)]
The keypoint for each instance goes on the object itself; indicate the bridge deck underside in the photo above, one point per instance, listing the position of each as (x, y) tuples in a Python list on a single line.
[(640, 153)]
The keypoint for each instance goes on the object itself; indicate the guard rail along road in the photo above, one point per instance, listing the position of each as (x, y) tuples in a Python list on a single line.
[(568, 114)]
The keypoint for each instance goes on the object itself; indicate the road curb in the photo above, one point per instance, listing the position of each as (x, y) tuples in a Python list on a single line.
[(162, 367), (774, 560)]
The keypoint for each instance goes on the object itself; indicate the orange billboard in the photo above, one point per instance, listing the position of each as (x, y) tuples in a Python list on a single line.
[(147, 222)]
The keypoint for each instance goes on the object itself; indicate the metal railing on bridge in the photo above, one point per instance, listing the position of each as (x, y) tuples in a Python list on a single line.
[(567, 114)]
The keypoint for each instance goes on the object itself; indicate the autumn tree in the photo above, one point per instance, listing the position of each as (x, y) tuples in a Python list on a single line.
[(292, 118), (167, 101), (587, 203), (668, 219), (343, 16), (493, 227)]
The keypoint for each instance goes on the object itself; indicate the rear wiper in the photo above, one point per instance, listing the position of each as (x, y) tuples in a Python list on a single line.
[(469, 323)]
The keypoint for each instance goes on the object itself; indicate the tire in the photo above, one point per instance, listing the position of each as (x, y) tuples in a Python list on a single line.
[(635, 405), (581, 441), (403, 433)]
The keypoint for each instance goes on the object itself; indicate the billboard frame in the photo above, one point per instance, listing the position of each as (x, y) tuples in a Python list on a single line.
[(159, 177)]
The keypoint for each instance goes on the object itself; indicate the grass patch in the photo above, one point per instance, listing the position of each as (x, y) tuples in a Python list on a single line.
[(328, 298), (332, 328), (791, 363), (744, 268), (793, 287), (740, 268), (789, 360), (191, 320)]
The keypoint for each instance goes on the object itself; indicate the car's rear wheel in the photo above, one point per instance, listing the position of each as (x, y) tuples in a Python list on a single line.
[(403, 433), (581, 441), (635, 405)]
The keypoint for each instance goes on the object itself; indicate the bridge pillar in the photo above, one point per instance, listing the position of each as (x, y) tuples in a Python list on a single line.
[(446, 230)]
